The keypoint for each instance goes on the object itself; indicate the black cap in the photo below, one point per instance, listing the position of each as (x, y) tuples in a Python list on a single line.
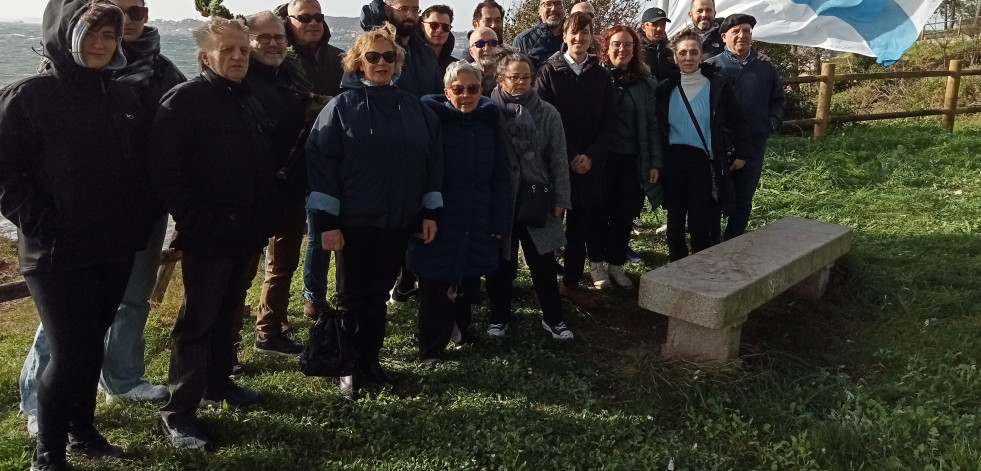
[(654, 14), (735, 20)]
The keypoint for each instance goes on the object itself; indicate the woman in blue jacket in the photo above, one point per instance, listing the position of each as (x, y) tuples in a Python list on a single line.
[(375, 167), (476, 213)]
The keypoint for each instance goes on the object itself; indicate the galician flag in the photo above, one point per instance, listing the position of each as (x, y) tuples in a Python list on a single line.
[(883, 29)]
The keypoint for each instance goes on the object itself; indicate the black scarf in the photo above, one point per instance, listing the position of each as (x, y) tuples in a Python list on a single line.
[(141, 56)]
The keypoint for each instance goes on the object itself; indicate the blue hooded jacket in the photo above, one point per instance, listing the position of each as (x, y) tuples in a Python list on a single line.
[(477, 194), (374, 159)]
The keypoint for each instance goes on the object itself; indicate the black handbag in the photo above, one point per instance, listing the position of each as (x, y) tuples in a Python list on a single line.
[(534, 203), (331, 349)]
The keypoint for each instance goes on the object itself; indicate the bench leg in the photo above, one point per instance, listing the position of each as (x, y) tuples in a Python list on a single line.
[(814, 286), (699, 344)]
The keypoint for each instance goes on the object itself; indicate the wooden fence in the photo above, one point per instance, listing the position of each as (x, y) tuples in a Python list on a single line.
[(826, 81)]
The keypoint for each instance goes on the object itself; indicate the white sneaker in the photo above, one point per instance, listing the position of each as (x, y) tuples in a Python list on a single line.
[(32, 426), (559, 331), (497, 330), (143, 392), (662, 230), (597, 271), (619, 277)]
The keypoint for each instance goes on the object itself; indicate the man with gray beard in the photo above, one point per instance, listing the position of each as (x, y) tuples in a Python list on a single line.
[(483, 43), (545, 38), (420, 73)]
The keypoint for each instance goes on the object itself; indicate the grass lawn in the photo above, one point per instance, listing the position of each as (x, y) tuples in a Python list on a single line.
[(882, 373)]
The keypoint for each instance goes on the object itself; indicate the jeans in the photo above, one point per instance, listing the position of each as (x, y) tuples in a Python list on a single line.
[(744, 182), (76, 309), (122, 366), (316, 264)]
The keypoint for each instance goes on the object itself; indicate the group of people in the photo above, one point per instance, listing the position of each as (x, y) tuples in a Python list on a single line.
[(419, 172)]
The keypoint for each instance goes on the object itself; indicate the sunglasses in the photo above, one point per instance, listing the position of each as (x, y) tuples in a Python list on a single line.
[(306, 17), (473, 89), (373, 57), (137, 13), (435, 25), (480, 43)]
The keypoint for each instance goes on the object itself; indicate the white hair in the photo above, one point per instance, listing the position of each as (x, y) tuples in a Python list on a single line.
[(453, 72)]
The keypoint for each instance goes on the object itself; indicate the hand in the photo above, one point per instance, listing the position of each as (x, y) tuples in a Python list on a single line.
[(586, 164), (558, 212), (576, 164), (428, 231), (332, 240), (737, 164), (762, 57), (496, 236), (655, 175)]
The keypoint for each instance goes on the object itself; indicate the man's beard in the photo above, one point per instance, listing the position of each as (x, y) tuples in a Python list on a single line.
[(405, 28), (552, 23), (486, 63)]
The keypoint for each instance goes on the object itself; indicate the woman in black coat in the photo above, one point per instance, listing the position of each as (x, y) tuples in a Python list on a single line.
[(699, 156)]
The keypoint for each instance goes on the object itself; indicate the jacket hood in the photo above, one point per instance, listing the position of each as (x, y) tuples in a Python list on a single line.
[(354, 80), (61, 19), (486, 109), (282, 11)]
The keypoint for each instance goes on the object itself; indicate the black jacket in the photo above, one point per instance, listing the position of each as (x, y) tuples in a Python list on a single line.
[(148, 73), (587, 104), (420, 72), (72, 164), (212, 167), (658, 57), (318, 69), (758, 89), (285, 105), (445, 57), (538, 43), (728, 126)]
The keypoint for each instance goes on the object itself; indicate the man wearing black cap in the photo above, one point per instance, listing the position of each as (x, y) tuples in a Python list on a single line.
[(760, 95), (654, 41)]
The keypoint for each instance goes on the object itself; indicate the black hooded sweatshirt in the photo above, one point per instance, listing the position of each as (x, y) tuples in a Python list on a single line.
[(72, 167)]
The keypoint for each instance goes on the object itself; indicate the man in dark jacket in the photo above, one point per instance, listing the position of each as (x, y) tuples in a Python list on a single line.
[(702, 14), (761, 98), (545, 38), (212, 168), (581, 90), (483, 43), (436, 26), (309, 38), (148, 74), (654, 43), (420, 73), (490, 14), (270, 81)]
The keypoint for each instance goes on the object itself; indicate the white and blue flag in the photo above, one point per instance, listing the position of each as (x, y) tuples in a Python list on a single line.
[(883, 29)]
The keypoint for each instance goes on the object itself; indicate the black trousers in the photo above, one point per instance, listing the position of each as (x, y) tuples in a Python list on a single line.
[(688, 194), (76, 308), (203, 340), (500, 283), (370, 262), (584, 232), (441, 304), (624, 201)]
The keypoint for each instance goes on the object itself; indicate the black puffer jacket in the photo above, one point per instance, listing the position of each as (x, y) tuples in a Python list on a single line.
[(72, 164), (727, 119), (212, 166), (658, 56)]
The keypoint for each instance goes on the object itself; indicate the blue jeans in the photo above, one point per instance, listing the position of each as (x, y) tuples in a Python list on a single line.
[(316, 264), (744, 182), (122, 365)]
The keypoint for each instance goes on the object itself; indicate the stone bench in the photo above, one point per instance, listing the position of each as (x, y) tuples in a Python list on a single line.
[(708, 295)]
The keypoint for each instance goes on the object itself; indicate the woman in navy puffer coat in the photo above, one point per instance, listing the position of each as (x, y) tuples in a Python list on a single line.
[(475, 215)]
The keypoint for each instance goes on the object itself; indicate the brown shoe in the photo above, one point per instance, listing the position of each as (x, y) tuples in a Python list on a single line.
[(312, 309), (577, 296)]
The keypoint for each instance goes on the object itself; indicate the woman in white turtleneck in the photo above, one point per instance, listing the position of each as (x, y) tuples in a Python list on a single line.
[(697, 164)]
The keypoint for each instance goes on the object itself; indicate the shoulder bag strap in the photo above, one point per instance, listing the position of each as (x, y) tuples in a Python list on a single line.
[(694, 121)]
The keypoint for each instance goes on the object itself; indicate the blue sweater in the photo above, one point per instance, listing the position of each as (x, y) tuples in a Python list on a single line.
[(682, 130)]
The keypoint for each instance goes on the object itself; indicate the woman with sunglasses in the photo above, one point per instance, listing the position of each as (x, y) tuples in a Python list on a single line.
[(634, 163), (375, 166), (535, 142), (475, 216), (73, 180)]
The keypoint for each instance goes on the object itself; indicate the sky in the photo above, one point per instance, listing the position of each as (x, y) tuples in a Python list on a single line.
[(180, 9)]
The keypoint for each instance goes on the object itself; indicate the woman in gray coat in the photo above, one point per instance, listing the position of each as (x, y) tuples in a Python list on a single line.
[(535, 142)]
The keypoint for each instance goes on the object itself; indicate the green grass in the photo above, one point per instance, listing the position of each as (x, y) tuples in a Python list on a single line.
[(882, 373)]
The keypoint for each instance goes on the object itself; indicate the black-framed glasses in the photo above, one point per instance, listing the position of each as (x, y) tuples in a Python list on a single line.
[(518, 78), (552, 4), (265, 39), (137, 13), (373, 57), (435, 25), (480, 43), (473, 89), (307, 17)]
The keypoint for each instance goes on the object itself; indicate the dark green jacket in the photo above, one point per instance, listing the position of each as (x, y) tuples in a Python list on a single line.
[(651, 152)]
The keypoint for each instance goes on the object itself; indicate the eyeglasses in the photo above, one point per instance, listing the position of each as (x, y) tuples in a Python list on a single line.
[(265, 39), (435, 25), (373, 57), (473, 89), (306, 17), (480, 43), (137, 13), (409, 10), (620, 45), (518, 78), (554, 4)]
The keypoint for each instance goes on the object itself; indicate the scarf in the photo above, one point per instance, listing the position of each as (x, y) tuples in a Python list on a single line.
[(518, 119), (141, 55)]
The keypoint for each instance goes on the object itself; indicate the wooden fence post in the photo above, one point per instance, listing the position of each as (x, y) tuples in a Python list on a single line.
[(825, 90), (950, 98)]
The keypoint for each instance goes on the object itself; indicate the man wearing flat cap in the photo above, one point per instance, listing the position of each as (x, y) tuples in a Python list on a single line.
[(760, 95), (654, 42)]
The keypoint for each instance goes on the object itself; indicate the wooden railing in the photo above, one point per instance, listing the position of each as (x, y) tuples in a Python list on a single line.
[(823, 118)]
